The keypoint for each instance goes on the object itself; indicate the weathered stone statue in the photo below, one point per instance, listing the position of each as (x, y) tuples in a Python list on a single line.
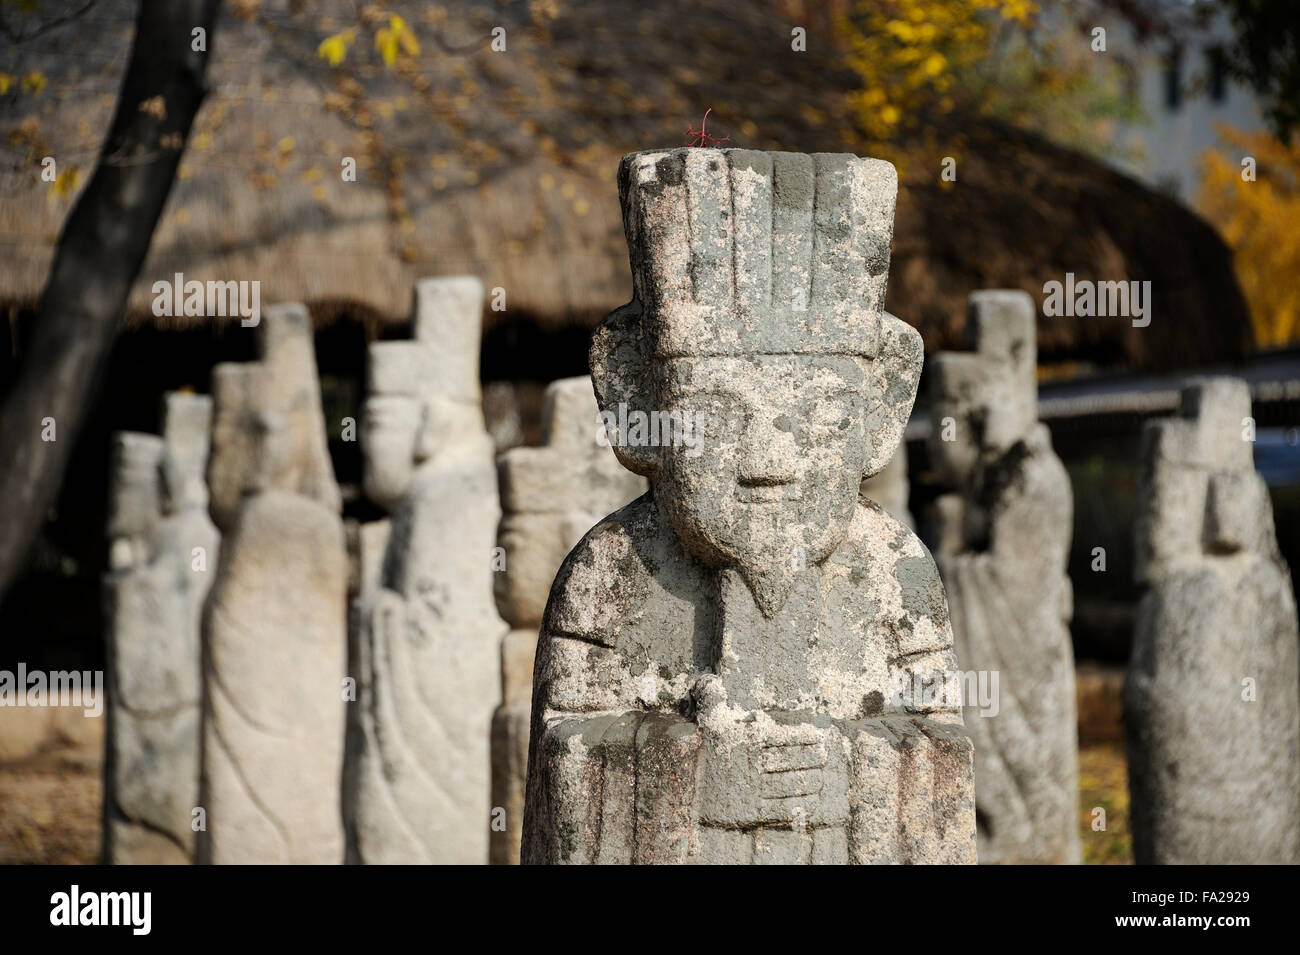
[(162, 557), (550, 496), (275, 638), (427, 633), (724, 668), (1210, 704), (1002, 540), (889, 488)]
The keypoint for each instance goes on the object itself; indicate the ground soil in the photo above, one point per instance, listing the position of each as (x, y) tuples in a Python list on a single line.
[(50, 806)]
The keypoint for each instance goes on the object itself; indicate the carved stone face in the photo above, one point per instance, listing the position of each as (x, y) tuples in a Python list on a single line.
[(954, 451), (136, 486), (1006, 410), (990, 412), (1200, 496), (390, 431), (1236, 510), (957, 418), (768, 480)]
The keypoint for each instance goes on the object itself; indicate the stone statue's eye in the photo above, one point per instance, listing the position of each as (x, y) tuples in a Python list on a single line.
[(834, 416)]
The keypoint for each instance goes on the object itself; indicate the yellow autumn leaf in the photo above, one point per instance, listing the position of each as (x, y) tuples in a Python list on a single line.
[(6, 80), (900, 29), (1019, 10), (155, 106), (333, 49), (386, 44), (65, 184), (396, 38), (410, 45), (34, 82)]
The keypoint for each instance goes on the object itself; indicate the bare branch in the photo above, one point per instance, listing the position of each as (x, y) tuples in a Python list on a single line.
[(18, 37)]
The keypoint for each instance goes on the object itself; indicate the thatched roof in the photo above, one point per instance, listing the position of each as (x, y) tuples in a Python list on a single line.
[(502, 165)]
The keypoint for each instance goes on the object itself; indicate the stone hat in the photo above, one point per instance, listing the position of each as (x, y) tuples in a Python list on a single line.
[(737, 252), (997, 374)]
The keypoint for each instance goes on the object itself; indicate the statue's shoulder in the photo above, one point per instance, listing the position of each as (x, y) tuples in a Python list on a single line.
[(875, 535), (899, 570), (1051, 469), (604, 575), (1033, 472)]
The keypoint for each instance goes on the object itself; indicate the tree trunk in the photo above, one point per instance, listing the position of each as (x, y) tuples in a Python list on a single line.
[(99, 255)]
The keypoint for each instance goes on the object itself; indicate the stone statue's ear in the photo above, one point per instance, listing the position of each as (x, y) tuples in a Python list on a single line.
[(896, 372), (620, 374)]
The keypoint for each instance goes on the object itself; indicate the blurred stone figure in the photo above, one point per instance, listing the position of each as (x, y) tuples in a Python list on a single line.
[(162, 558), (1002, 540), (550, 496), (501, 413), (275, 637), (726, 667), (427, 633), (1211, 707)]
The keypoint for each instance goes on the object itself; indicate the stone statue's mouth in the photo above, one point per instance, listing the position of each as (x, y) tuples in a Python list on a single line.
[(767, 493)]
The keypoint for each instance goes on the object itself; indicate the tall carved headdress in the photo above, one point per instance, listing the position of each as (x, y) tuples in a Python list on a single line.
[(738, 253)]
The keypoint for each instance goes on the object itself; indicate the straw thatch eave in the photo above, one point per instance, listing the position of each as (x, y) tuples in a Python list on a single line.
[(502, 165)]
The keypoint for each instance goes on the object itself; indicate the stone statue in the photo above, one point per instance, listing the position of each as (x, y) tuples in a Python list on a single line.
[(889, 488), (1002, 540), (1211, 707), (162, 557), (427, 630), (275, 638), (726, 666), (550, 496)]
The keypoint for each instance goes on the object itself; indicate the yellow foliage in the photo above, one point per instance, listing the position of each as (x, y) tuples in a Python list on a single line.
[(910, 53), (34, 82), (155, 106), (333, 49), (395, 39), (6, 80), (1019, 11), (65, 184), (1258, 222)]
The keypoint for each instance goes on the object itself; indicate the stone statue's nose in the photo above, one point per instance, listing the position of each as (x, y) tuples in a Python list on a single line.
[(769, 457)]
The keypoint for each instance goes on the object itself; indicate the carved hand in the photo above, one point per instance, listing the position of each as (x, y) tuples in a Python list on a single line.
[(758, 768)]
